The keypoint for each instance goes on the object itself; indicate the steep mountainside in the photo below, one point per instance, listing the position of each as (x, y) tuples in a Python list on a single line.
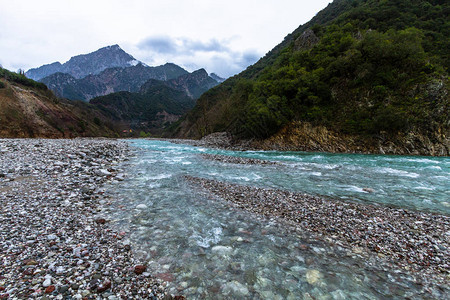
[(363, 75), (109, 81), (150, 110), (192, 84), (29, 109), (87, 64)]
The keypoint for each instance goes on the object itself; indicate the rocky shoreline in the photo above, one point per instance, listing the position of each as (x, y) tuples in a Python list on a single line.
[(53, 244), (304, 137), (414, 242)]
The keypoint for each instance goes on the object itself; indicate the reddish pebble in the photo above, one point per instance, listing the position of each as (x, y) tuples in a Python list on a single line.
[(100, 221), (139, 269), (104, 286), (2, 288), (28, 271), (50, 289)]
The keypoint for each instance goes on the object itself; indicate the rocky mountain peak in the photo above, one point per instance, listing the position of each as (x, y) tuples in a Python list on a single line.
[(83, 65)]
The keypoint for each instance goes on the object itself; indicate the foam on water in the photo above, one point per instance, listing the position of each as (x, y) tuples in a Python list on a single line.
[(210, 238), (355, 189), (158, 177), (398, 172)]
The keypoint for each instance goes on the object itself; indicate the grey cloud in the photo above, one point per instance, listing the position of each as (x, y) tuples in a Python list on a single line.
[(169, 45), (249, 58), (209, 46), (159, 44), (213, 54)]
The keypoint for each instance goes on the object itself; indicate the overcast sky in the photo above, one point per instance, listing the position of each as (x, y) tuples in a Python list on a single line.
[(221, 36)]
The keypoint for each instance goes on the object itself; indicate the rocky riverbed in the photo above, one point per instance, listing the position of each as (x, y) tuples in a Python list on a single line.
[(413, 242), (53, 244)]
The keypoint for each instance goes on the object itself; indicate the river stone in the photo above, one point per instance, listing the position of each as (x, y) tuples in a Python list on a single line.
[(313, 276), (235, 288), (221, 250), (47, 282), (142, 206), (103, 172)]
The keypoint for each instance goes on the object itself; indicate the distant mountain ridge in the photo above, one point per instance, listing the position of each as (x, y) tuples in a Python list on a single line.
[(158, 103), (110, 70), (87, 64), (192, 84), (110, 80)]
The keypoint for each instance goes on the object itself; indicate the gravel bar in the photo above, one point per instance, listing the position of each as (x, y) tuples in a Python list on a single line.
[(237, 160), (53, 245), (415, 242)]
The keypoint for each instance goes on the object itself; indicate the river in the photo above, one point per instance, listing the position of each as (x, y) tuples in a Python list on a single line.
[(206, 249)]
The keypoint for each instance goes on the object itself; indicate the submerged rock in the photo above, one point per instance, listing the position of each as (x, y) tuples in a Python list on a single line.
[(141, 206), (235, 289), (221, 250), (313, 276)]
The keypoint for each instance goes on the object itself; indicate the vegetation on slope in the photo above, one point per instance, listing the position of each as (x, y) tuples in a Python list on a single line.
[(29, 109), (149, 111), (20, 79), (362, 68)]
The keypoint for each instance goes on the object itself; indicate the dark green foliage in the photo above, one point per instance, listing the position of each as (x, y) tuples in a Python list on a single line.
[(370, 72), (97, 121), (2, 85), (142, 110), (21, 79)]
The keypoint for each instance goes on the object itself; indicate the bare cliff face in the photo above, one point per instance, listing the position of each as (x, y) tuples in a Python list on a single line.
[(302, 136)]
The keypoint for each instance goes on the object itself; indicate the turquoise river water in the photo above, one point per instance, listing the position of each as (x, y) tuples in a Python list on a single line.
[(208, 250)]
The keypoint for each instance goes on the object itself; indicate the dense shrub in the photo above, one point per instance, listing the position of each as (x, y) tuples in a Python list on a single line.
[(21, 79)]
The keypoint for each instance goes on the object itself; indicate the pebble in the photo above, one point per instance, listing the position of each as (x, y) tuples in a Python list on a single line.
[(313, 276), (221, 250)]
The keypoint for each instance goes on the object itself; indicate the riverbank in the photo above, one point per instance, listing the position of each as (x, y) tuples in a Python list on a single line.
[(52, 243), (414, 242), (304, 137)]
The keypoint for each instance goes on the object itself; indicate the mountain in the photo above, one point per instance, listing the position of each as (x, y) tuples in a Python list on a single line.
[(87, 64), (158, 103), (29, 109), (217, 77), (110, 80), (150, 110), (192, 84), (361, 76)]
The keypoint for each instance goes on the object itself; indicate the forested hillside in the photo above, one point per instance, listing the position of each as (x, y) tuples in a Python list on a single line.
[(29, 109), (374, 73)]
